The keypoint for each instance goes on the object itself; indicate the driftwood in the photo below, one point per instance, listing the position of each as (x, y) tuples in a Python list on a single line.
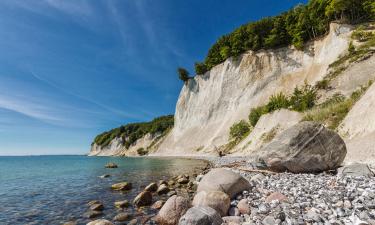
[(257, 171)]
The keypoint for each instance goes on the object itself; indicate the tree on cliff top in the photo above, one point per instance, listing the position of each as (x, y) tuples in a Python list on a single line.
[(183, 74)]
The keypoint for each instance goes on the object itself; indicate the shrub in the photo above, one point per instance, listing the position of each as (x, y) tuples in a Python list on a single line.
[(256, 113), (141, 151), (239, 130), (323, 84), (303, 98), (351, 48), (278, 101), (200, 68), (183, 74)]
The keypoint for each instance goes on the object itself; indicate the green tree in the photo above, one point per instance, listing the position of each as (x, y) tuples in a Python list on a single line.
[(183, 74), (239, 130), (200, 68)]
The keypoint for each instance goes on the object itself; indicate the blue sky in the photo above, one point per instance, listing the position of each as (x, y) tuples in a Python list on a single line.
[(70, 69)]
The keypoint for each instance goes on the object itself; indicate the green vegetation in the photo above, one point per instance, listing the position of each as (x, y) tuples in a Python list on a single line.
[(130, 133), (294, 27), (269, 136), (302, 99), (141, 151), (239, 130), (183, 74), (334, 110)]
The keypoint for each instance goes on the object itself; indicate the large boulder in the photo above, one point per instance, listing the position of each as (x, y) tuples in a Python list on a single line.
[(201, 215), (217, 200), (305, 147), (223, 180), (173, 209)]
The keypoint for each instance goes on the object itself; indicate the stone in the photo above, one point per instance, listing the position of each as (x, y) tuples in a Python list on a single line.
[(201, 215), (143, 199), (152, 187), (223, 180), (163, 182), (111, 165), (171, 193), (215, 199), (173, 209), (233, 219), (104, 176), (163, 189), (304, 148), (133, 222), (269, 220), (123, 186), (122, 204), (93, 202), (92, 214), (183, 180), (233, 211), (158, 204), (355, 170), (244, 207), (100, 222), (97, 207), (70, 223), (121, 217), (276, 196)]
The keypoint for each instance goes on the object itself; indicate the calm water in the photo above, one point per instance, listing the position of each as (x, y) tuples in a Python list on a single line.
[(55, 189)]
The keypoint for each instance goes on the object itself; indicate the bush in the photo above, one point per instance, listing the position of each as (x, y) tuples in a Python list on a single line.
[(351, 48), (141, 151), (256, 113), (323, 84), (200, 68), (239, 130), (304, 98), (183, 74), (278, 101)]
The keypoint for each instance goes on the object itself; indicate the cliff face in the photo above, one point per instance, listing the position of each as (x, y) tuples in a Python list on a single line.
[(208, 105)]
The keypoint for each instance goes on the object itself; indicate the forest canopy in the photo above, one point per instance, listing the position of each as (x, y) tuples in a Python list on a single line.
[(294, 27)]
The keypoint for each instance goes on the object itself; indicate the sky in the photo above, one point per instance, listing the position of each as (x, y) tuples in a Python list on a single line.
[(71, 69)]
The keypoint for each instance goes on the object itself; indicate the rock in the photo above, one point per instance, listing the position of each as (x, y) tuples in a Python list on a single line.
[(223, 180), (276, 196), (123, 186), (92, 214), (199, 178), (173, 209), (97, 207), (215, 199), (269, 220), (305, 147), (100, 222), (70, 223), (121, 217), (133, 222), (171, 193), (244, 207), (163, 189), (355, 170), (183, 180), (111, 165), (233, 219), (258, 178), (152, 187), (201, 215), (93, 202), (158, 204), (163, 182), (143, 199), (104, 176), (122, 204)]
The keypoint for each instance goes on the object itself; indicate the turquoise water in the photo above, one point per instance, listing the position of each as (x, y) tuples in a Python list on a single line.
[(56, 189)]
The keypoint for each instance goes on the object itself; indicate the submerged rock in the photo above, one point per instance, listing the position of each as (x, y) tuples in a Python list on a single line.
[(173, 209), (223, 180), (122, 217), (305, 147), (215, 199), (201, 215), (97, 207), (92, 214), (122, 204)]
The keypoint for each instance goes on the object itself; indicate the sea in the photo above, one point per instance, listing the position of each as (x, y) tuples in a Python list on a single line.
[(56, 189)]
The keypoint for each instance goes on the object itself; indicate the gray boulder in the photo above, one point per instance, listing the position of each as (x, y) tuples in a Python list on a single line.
[(215, 199), (305, 147), (223, 180), (201, 215), (143, 199), (355, 170), (173, 209)]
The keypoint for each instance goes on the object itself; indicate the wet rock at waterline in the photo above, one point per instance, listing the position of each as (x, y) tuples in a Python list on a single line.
[(173, 209), (111, 165), (151, 187), (215, 199), (121, 217), (122, 204), (223, 180), (100, 222), (305, 147), (92, 214), (143, 199), (201, 215), (163, 189), (123, 186)]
